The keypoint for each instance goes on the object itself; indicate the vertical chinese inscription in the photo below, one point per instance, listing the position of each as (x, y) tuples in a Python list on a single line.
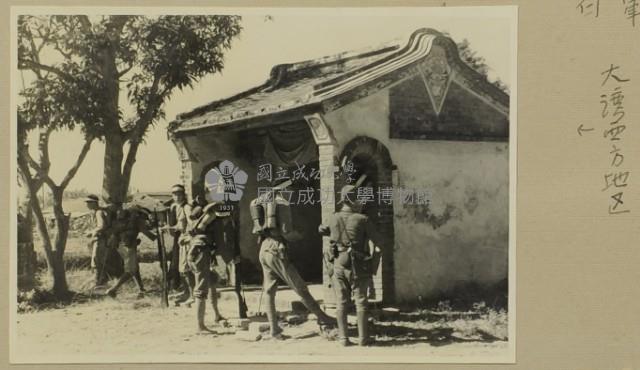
[(631, 10), (589, 8), (613, 119)]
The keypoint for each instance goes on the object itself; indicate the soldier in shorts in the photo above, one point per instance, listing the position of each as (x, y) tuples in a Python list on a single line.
[(273, 224), (128, 225), (352, 258), (182, 210), (99, 237), (201, 259)]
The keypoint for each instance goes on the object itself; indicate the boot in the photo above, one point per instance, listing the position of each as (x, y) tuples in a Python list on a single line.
[(363, 328), (343, 337)]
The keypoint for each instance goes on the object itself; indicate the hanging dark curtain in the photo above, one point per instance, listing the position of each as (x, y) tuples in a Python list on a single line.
[(289, 144)]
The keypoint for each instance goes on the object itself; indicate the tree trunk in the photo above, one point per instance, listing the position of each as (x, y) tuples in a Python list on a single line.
[(26, 254), (55, 265), (112, 189), (62, 232), (58, 275), (112, 181)]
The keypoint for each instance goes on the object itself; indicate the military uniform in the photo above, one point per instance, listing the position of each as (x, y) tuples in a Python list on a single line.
[(99, 240), (350, 233), (275, 230), (208, 235), (128, 225), (201, 259), (183, 218), (182, 211)]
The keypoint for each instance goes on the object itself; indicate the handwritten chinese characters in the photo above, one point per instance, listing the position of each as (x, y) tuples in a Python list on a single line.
[(612, 115), (631, 10), (591, 8)]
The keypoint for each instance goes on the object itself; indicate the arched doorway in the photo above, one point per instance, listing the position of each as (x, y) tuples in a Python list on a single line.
[(366, 156)]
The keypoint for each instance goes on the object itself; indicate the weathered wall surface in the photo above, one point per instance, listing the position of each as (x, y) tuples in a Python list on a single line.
[(462, 236)]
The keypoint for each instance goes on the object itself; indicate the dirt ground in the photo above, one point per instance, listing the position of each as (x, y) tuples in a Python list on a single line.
[(132, 329)]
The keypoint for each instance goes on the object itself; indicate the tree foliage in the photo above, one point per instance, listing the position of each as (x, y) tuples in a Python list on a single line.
[(78, 66), (89, 61), (477, 62)]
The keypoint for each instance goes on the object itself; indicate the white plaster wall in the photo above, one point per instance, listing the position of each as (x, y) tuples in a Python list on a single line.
[(463, 235)]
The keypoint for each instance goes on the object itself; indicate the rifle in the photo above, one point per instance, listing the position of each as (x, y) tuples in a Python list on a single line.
[(162, 258), (237, 272), (242, 304)]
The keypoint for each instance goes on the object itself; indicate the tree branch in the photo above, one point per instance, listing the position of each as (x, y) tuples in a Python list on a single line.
[(155, 99), (43, 149), (135, 135), (85, 23), (35, 52), (56, 46), (73, 170), (35, 206), (124, 71), (128, 164), (35, 66), (23, 154)]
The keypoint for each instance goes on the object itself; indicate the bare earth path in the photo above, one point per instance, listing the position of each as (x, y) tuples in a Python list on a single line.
[(127, 329)]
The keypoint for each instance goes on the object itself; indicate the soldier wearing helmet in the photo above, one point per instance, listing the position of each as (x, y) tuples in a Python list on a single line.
[(201, 257), (350, 233), (272, 222)]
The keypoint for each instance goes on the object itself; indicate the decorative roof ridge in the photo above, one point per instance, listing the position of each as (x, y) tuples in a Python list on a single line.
[(392, 56), (281, 73)]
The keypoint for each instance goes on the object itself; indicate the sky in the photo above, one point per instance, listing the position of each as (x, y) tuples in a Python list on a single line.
[(284, 38)]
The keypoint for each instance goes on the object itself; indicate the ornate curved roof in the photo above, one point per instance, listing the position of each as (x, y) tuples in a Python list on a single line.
[(328, 83)]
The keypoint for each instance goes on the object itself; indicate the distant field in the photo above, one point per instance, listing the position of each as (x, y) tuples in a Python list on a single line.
[(74, 206)]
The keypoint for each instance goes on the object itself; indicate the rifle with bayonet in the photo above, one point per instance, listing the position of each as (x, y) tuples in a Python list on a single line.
[(237, 270), (162, 258)]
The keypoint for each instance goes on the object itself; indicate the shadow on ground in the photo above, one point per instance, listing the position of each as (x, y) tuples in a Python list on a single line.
[(398, 335)]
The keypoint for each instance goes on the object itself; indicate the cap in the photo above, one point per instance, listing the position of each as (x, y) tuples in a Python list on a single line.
[(177, 188), (346, 194), (199, 240), (91, 198)]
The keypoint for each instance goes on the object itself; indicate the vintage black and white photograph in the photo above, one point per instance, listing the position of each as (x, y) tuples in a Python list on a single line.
[(263, 185)]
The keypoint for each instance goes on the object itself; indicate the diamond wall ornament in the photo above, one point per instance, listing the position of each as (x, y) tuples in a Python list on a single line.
[(436, 74)]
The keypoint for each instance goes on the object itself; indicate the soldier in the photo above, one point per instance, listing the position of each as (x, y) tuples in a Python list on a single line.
[(128, 225), (272, 222), (182, 211), (350, 233), (201, 259), (99, 238)]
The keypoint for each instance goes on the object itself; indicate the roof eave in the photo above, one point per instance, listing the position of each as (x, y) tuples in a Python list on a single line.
[(250, 122)]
